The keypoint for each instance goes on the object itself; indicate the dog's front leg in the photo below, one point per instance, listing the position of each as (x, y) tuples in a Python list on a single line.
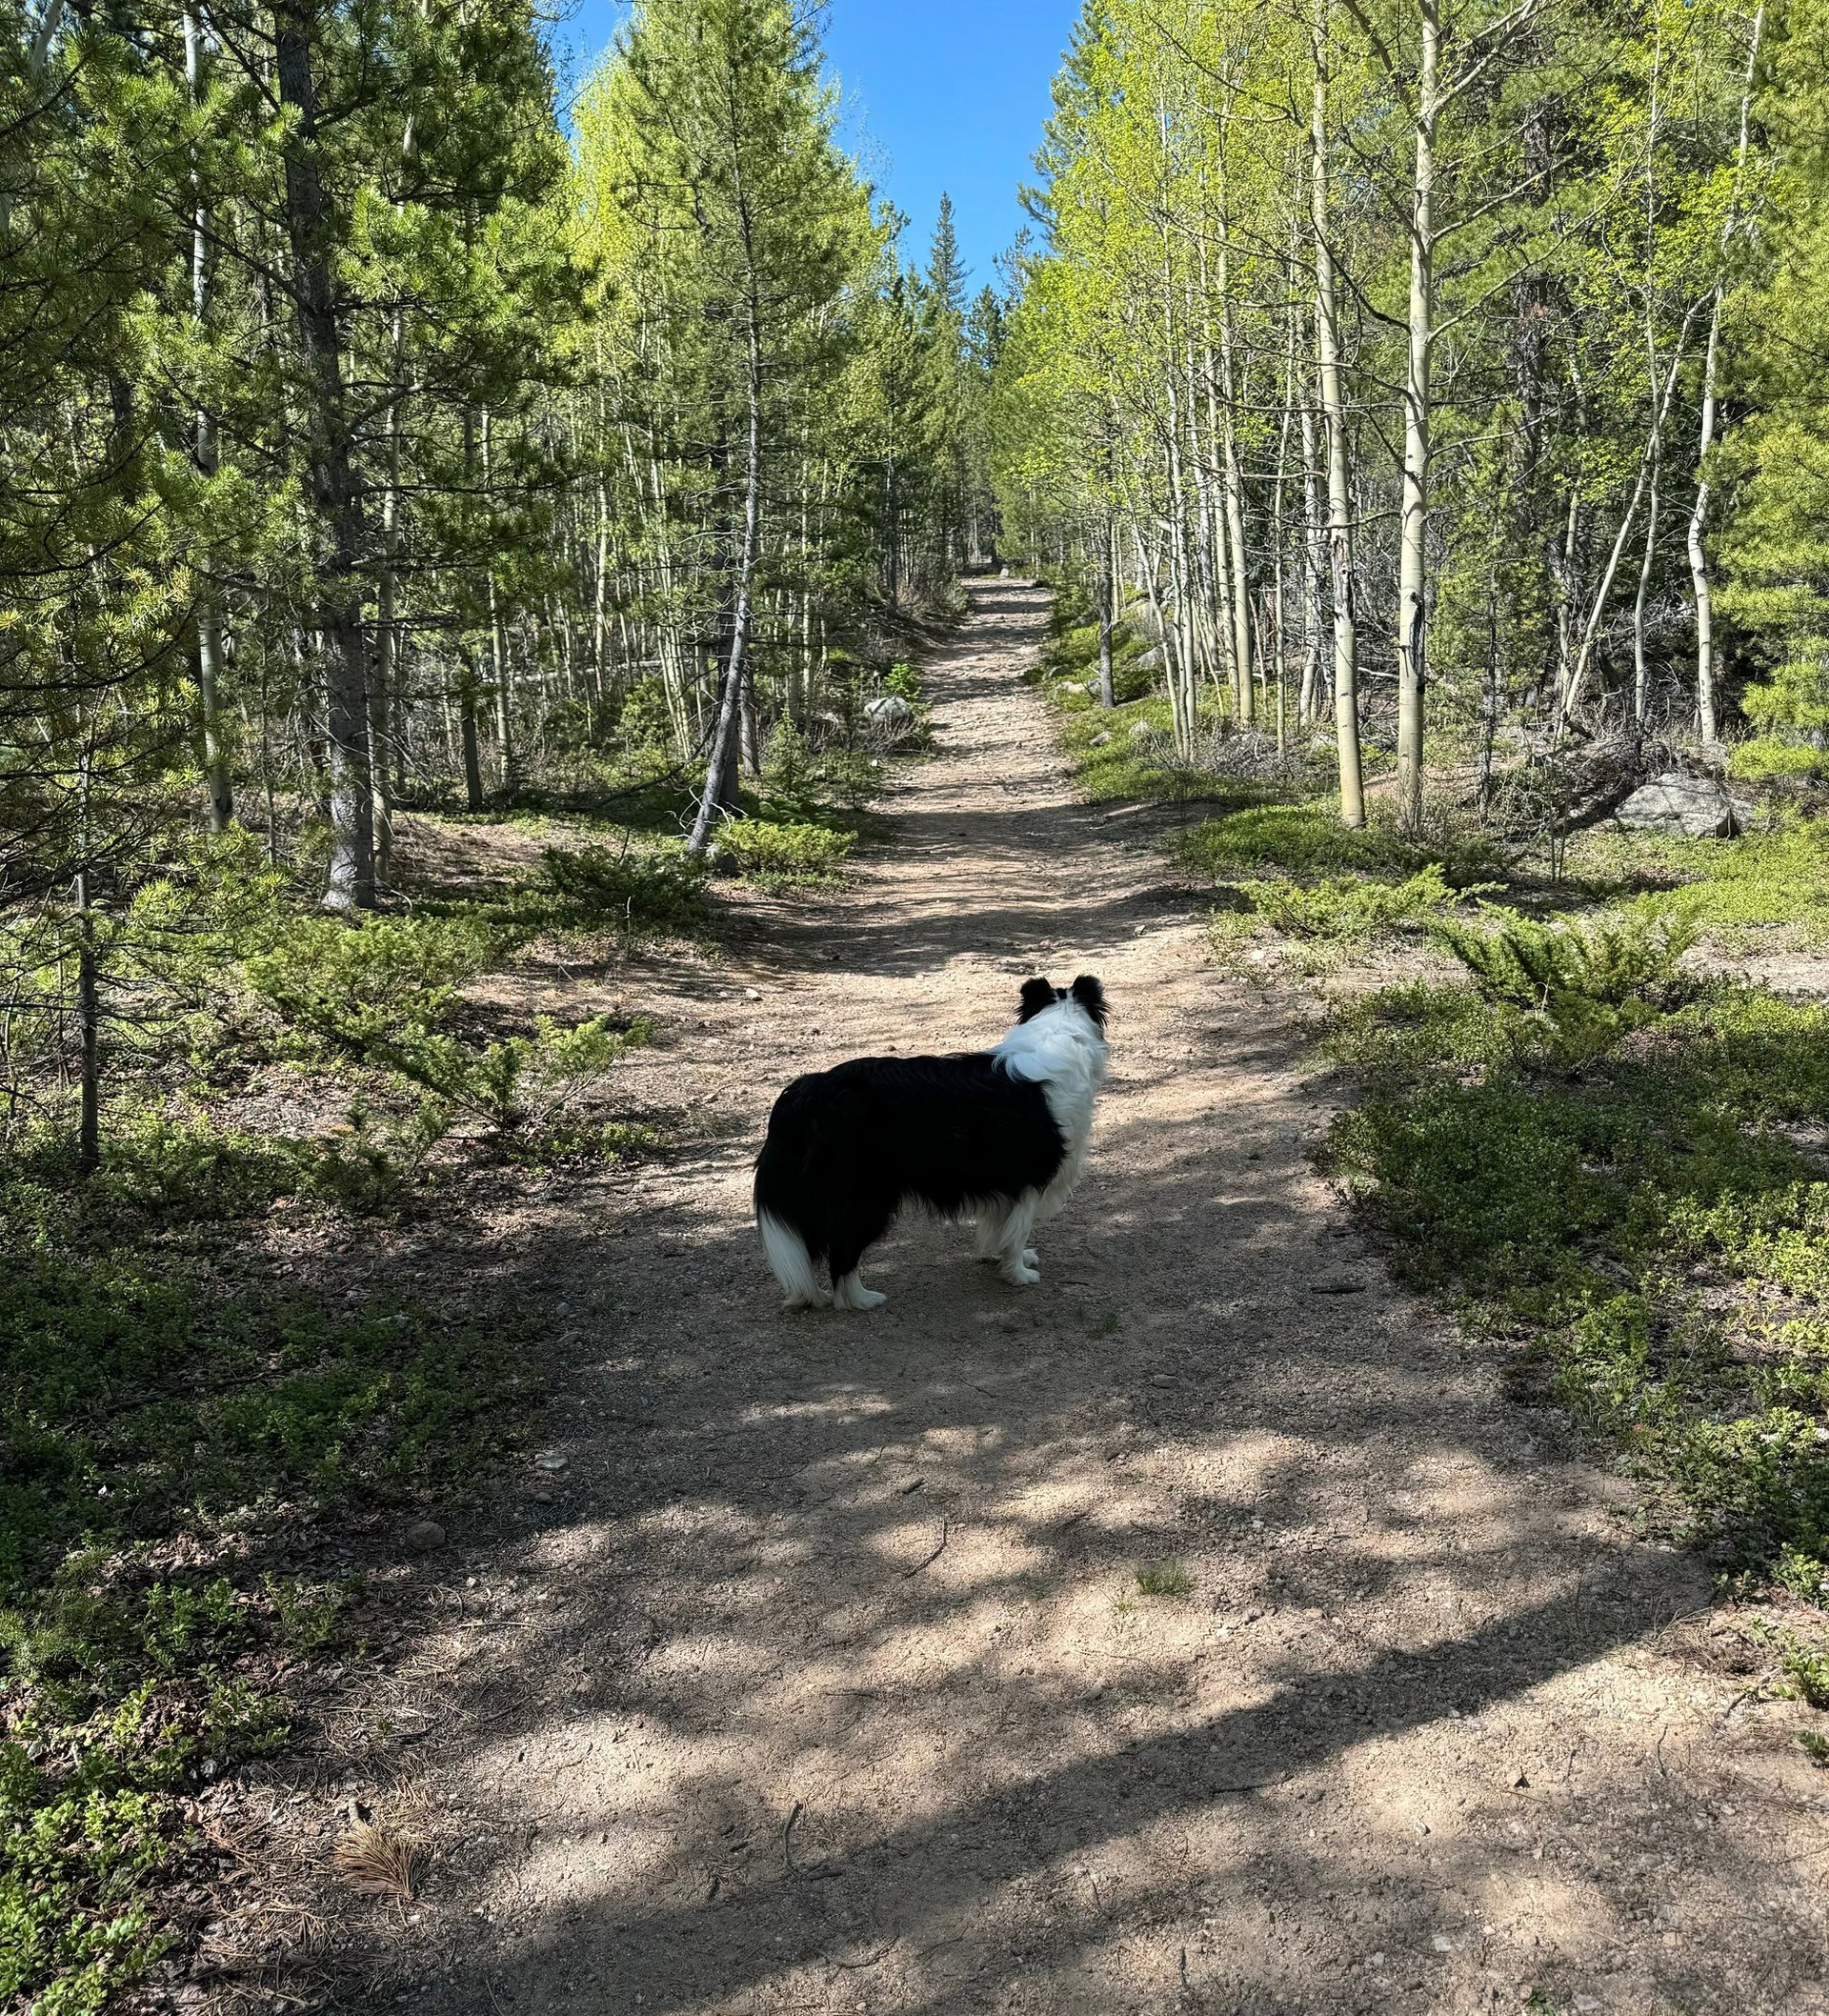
[(1018, 1255)]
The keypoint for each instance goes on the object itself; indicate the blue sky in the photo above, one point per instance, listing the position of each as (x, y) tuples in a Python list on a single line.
[(938, 94)]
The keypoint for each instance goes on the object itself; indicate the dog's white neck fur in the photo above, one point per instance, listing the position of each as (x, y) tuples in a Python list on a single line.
[(1063, 1050)]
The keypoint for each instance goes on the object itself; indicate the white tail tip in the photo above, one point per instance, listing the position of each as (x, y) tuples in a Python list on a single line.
[(790, 1263)]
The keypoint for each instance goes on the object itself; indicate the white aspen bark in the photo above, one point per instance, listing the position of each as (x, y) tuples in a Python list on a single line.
[(1314, 567), (1579, 671), (1640, 668), (1413, 560), (1707, 710), (1339, 524), (601, 611), (1240, 598), (731, 700), (1182, 688), (1224, 659)]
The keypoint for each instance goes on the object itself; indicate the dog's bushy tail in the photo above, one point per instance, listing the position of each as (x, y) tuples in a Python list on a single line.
[(791, 1262), (783, 1189)]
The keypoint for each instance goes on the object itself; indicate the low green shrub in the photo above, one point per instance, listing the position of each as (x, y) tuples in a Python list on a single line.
[(1738, 893), (1768, 759), (601, 886), (1588, 982), (1299, 839), (1351, 909), (790, 852)]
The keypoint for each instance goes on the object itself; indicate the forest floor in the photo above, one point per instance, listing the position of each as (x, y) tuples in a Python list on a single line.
[(1201, 1630)]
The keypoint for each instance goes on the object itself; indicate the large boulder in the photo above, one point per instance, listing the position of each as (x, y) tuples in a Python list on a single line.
[(1697, 808), (888, 710)]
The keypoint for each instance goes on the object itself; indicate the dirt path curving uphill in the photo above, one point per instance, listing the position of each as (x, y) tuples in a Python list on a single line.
[(825, 1681)]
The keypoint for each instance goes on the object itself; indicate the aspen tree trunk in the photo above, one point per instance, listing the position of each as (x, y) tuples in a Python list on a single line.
[(1413, 579), (1340, 519), (1245, 693), (1640, 668), (1278, 605), (1213, 544), (1107, 691), (736, 670), (350, 882), (1707, 712), (1314, 567), (601, 610), (215, 758)]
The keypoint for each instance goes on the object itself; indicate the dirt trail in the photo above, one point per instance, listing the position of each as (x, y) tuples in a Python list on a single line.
[(824, 1682)]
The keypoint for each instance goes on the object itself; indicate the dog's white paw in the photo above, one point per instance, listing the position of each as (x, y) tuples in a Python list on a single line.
[(1031, 1258), (1021, 1274), (817, 1301), (852, 1294)]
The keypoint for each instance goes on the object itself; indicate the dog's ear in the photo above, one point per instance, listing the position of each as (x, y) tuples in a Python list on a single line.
[(1037, 995), (1090, 997)]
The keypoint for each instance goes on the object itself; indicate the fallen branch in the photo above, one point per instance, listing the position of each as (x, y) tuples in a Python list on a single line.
[(945, 1533)]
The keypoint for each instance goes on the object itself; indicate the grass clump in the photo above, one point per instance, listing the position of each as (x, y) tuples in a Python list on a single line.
[(1298, 840), (1165, 1578)]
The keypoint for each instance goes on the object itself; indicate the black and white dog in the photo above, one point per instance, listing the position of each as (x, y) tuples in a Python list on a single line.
[(1000, 1135)]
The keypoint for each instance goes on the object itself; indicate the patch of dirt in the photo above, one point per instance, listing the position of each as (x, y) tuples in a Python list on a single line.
[(812, 1670)]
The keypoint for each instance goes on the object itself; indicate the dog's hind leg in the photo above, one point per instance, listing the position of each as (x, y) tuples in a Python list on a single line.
[(861, 1222), (848, 1292), (1018, 1255)]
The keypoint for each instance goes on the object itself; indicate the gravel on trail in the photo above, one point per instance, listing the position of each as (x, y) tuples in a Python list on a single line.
[(1201, 1630)]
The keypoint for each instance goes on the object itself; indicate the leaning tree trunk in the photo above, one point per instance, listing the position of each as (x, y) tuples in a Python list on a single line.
[(1706, 706), (1339, 514), (349, 883), (1412, 579), (730, 697), (217, 785)]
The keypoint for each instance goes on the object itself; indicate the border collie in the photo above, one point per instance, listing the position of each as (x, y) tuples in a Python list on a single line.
[(1000, 1135)]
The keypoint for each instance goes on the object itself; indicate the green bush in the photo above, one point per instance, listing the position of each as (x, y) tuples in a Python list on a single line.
[(1354, 908), (1588, 982), (598, 886), (794, 851), (1735, 891), (383, 981), (1300, 840), (1769, 758)]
